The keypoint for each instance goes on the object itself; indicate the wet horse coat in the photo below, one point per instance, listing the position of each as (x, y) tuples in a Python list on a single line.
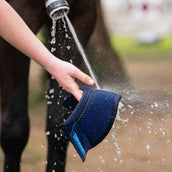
[(14, 71)]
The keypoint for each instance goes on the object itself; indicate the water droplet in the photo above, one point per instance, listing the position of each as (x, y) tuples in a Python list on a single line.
[(52, 96), (155, 104), (47, 97), (148, 148), (45, 162), (152, 106), (86, 168), (49, 102), (51, 91), (121, 161), (71, 61), (148, 162), (130, 106), (116, 143), (53, 33), (68, 47), (53, 41), (163, 159), (103, 162), (66, 35), (53, 49), (52, 77), (48, 133), (168, 141), (107, 145), (42, 146), (115, 159)]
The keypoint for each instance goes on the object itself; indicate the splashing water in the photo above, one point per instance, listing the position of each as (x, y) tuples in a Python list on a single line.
[(81, 50), (121, 105), (85, 167), (118, 118), (118, 150), (133, 111), (53, 33)]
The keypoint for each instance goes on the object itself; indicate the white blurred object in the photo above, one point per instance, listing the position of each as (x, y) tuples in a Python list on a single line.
[(146, 13), (132, 17), (147, 37), (146, 8)]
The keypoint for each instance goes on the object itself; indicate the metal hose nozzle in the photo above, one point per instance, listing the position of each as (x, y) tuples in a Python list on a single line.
[(57, 8)]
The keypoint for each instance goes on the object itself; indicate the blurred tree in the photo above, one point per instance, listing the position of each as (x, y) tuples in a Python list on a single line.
[(103, 58)]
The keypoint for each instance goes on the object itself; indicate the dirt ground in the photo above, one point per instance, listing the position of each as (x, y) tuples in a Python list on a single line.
[(144, 141)]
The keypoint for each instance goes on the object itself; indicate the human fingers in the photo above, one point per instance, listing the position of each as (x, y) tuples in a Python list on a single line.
[(83, 77), (77, 93)]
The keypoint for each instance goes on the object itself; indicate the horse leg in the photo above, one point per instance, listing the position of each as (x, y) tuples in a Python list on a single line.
[(57, 142), (14, 69)]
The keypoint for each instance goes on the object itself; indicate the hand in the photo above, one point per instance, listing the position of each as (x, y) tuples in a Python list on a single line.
[(66, 73)]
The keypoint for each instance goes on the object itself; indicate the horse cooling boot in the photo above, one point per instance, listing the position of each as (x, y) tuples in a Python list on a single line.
[(91, 119)]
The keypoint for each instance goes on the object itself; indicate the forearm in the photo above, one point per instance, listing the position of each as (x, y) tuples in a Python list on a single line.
[(16, 32)]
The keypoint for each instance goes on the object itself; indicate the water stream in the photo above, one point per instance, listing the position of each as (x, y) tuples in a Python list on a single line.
[(81, 50)]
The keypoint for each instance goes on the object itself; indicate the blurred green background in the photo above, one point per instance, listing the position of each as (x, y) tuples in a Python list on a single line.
[(128, 48)]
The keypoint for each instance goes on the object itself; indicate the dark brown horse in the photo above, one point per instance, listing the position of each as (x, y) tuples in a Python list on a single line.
[(14, 71)]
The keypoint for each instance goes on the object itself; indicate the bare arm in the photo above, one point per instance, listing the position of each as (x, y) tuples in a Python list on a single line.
[(14, 30)]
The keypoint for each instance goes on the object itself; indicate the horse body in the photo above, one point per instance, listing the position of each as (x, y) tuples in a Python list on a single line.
[(14, 71)]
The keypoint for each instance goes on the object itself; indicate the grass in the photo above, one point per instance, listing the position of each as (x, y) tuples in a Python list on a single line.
[(127, 47)]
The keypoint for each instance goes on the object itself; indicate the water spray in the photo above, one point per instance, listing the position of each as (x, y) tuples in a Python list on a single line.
[(57, 8)]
